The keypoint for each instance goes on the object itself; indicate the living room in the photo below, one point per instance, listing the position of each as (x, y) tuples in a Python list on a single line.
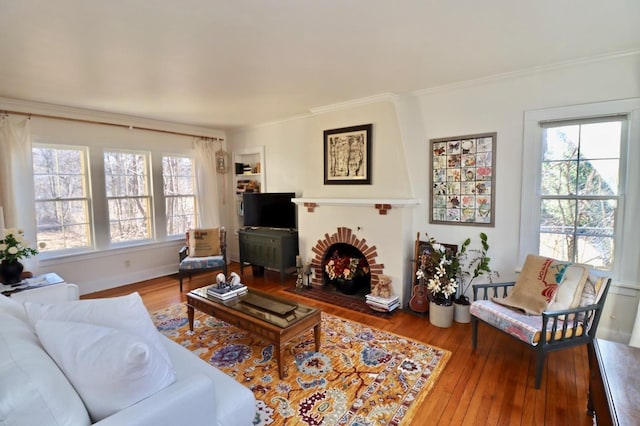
[(404, 120)]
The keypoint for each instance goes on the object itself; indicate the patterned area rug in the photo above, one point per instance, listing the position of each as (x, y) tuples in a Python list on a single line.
[(361, 376)]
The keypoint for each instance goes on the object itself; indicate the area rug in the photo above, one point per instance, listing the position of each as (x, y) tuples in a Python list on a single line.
[(361, 376)]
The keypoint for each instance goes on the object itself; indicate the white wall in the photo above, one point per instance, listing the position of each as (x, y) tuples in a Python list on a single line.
[(403, 127)]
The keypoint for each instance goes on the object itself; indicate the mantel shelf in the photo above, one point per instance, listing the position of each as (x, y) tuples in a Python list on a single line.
[(359, 202)]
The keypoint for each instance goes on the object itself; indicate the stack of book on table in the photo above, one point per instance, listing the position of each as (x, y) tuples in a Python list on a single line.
[(385, 304), (228, 292)]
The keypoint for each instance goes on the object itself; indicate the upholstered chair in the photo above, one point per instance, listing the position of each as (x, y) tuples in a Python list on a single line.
[(205, 251), (552, 306)]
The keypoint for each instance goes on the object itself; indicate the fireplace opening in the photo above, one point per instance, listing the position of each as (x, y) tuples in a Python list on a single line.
[(346, 269)]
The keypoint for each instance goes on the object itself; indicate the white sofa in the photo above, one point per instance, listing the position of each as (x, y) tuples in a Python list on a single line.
[(35, 391)]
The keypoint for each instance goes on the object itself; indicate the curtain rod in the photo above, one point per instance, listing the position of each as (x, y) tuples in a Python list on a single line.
[(106, 123)]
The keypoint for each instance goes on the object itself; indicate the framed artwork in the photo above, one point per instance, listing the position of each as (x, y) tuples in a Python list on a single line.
[(462, 182), (347, 155)]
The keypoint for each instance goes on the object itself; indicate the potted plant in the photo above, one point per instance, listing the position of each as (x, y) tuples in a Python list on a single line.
[(471, 264), (438, 267), (13, 247)]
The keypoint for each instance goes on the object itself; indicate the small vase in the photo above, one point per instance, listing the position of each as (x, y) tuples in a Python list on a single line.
[(347, 286), (461, 313), (11, 272), (440, 315)]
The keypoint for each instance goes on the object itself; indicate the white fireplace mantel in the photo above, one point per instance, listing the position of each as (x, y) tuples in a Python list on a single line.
[(358, 202)]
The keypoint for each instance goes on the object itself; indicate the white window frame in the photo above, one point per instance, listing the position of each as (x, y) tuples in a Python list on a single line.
[(192, 195), (626, 269), (149, 197), (87, 199)]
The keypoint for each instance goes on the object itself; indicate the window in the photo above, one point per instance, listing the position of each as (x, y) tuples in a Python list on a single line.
[(180, 201), (128, 195), (62, 197), (580, 190)]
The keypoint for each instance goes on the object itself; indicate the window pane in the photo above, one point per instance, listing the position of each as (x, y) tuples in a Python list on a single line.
[(595, 251), (580, 162), (178, 180), (559, 178), (557, 246), (129, 230), (600, 140), (599, 177), (127, 187), (596, 217), (557, 216), (60, 181), (561, 143), (62, 224)]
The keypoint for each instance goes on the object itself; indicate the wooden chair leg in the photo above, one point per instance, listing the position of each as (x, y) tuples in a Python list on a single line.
[(180, 274), (474, 332), (540, 358)]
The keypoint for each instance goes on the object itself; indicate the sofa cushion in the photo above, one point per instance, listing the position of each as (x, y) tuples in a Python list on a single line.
[(10, 306), (126, 313), (110, 369), (33, 389), (536, 285)]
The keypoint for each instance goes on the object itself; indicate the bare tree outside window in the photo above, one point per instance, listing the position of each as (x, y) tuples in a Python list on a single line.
[(180, 202), (580, 191), (128, 195), (62, 200)]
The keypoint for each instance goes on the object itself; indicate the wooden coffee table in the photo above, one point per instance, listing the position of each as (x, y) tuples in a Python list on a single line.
[(275, 318)]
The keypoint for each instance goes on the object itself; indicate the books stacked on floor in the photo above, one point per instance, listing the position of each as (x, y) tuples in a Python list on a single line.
[(226, 292), (383, 304)]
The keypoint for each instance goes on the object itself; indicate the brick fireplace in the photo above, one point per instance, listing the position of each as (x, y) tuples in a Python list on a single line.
[(382, 229), (343, 235)]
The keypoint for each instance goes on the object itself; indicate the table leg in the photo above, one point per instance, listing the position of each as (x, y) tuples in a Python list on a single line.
[(280, 356), (190, 315), (316, 336)]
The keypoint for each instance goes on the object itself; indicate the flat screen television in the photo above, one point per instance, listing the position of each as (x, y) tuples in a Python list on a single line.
[(269, 209)]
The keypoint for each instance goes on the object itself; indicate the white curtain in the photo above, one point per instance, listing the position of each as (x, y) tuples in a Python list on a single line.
[(16, 180), (207, 184)]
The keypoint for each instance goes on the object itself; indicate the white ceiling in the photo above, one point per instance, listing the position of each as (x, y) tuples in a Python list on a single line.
[(225, 64)]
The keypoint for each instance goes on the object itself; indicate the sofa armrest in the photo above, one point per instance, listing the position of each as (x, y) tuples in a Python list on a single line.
[(186, 402), (184, 252), (493, 290)]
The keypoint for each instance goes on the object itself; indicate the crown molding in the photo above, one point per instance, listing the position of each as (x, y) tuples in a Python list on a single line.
[(524, 72), (382, 97)]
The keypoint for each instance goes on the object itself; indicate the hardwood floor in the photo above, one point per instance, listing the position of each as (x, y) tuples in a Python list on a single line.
[(492, 386)]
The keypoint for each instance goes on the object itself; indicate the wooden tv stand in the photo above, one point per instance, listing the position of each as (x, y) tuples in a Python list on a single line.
[(268, 248)]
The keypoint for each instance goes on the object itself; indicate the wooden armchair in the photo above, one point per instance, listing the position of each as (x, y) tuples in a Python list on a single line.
[(552, 330), (200, 255)]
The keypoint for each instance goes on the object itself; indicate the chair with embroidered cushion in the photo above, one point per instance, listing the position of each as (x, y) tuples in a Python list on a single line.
[(567, 315), (205, 251)]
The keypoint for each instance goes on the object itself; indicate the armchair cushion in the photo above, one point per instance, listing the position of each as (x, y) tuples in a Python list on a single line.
[(519, 325), (203, 242), (194, 263), (536, 285), (570, 290)]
